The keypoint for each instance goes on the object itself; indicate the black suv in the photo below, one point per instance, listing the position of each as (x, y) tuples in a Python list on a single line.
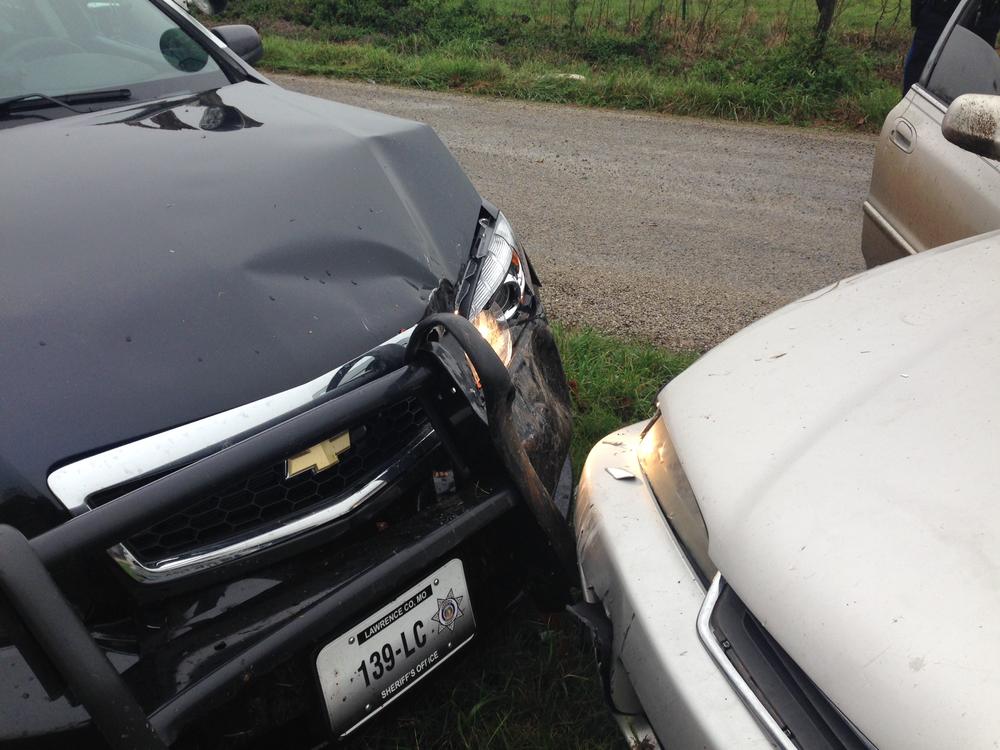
[(282, 414)]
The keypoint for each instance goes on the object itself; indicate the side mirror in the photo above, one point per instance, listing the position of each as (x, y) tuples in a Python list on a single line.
[(972, 122), (241, 39)]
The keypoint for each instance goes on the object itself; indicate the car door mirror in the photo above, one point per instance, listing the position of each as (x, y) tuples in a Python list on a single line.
[(972, 122), (241, 39)]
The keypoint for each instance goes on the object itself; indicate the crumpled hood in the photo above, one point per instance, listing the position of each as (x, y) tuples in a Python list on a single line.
[(846, 455), (162, 263)]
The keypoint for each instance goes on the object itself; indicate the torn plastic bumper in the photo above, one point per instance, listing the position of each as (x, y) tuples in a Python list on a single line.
[(445, 354)]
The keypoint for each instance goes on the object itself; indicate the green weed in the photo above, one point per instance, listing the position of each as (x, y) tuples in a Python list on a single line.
[(717, 58), (613, 382)]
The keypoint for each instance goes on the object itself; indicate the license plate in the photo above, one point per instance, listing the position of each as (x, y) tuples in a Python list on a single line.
[(388, 652)]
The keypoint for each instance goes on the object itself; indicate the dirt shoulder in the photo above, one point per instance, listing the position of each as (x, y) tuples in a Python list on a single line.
[(675, 230)]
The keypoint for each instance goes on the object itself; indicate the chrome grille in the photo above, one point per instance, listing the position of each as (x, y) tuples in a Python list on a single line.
[(266, 498)]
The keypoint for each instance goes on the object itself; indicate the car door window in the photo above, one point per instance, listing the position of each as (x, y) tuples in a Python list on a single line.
[(968, 62)]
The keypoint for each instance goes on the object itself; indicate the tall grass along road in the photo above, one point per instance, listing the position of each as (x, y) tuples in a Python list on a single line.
[(672, 230), (768, 60)]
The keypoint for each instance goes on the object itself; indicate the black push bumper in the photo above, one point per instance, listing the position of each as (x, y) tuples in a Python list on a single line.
[(66, 659)]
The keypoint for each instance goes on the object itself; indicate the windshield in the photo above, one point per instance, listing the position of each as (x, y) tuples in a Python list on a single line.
[(59, 47)]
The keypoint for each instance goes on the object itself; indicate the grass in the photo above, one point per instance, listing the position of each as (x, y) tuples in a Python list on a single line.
[(532, 682), (749, 90), (613, 382), (735, 59)]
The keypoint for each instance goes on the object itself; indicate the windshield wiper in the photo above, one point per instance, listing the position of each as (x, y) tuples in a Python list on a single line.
[(40, 101)]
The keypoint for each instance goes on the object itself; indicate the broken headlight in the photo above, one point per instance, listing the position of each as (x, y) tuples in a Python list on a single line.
[(496, 287)]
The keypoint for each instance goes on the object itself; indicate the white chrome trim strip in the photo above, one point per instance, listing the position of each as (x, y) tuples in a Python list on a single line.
[(888, 229), (176, 567), (73, 483), (928, 97), (715, 650)]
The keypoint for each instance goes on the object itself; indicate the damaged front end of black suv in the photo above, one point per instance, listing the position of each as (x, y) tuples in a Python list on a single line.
[(283, 414), (212, 629)]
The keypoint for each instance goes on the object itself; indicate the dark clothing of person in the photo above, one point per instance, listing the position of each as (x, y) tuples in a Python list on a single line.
[(928, 20), (929, 17)]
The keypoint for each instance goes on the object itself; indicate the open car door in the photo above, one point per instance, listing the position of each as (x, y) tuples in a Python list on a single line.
[(926, 191)]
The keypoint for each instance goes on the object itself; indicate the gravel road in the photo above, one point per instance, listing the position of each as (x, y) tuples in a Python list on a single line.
[(676, 230)]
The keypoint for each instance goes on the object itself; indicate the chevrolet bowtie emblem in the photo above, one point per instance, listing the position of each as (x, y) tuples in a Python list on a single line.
[(320, 457)]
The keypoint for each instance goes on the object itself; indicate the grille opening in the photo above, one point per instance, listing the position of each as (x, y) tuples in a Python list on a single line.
[(802, 710), (265, 497)]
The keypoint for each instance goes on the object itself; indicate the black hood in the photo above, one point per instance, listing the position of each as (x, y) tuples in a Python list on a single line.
[(165, 262)]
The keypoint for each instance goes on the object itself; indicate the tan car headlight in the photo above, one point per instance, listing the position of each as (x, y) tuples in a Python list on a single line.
[(673, 493)]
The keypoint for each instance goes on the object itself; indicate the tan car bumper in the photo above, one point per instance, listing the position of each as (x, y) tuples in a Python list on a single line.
[(631, 563)]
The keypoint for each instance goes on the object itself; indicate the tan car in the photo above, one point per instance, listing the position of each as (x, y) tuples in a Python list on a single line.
[(801, 550), (936, 178)]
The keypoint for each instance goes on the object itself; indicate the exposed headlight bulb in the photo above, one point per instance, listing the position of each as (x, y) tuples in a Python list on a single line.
[(492, 327)]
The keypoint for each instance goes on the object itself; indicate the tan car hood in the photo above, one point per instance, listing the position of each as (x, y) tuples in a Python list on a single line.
[(846, 455)]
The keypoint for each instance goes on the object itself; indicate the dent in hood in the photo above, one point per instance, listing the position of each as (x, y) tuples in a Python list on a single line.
[(166, 262), (844, 451)]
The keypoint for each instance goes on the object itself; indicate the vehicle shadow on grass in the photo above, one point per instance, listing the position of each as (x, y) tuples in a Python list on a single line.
[(529, 681)]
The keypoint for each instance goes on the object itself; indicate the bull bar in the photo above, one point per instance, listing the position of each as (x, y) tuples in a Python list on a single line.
[(64, 656)]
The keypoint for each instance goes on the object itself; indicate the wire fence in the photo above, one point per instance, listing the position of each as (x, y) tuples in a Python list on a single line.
[(868, 19)]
